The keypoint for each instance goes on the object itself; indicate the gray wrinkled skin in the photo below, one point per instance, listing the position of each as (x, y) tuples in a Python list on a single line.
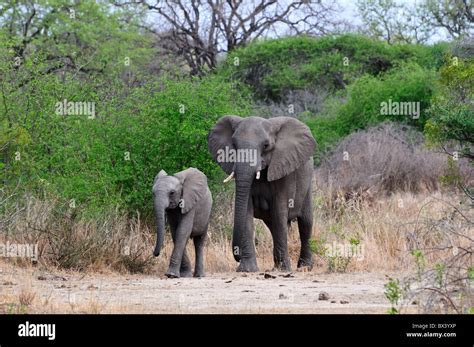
[(284, 148), (186, 201)]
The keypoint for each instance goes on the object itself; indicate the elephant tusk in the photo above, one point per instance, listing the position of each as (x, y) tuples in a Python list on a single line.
[(229, 178), (258, 175)]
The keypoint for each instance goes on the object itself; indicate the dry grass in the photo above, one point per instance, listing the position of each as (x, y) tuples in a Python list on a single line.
[(26, 297), (387, 159), (380, 226), (388, 229), (384, 227), (65, 240), (385, 203)]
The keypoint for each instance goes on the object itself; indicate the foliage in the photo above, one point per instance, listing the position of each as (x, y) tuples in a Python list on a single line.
[(113, 158), (393, 293), (272, 68), (144, 122), (395, 22), (452, 110), (353, 73), (141, 124), (363, 107), (165, 126)]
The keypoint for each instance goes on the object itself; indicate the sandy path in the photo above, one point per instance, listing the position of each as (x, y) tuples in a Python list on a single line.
[(217, 293)]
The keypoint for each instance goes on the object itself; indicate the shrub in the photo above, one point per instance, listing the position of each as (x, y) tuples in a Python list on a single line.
[(445, 285), (165, 126), (452, 109), (361, 106), (382, 159), (407, 83), (66, 240), (112, 160), (301, 104), (273, 68)]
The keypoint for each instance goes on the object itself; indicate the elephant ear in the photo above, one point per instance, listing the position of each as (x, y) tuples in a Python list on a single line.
[(294, 146), (220, 137), (194, 187), (161, 174)]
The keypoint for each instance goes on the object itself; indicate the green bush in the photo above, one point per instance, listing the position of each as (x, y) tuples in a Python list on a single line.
[(68, 59), (356, 72), (113, 159), (165, 126), (407, 83), (362, 107), (110, 160), (272, 68), (452, 110)]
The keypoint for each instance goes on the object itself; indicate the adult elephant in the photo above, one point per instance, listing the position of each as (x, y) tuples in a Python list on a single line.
[(272, 164)]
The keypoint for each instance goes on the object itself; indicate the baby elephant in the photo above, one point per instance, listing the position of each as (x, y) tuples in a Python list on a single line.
[(187, 201)]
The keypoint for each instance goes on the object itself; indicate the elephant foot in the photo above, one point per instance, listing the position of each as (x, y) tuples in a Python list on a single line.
[(305, 263), (199, 274), (282, 268), (172, 274), (247, 266)]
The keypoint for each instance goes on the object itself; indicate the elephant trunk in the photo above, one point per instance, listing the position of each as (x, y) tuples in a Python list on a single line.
[(160, 226), (241, 238)]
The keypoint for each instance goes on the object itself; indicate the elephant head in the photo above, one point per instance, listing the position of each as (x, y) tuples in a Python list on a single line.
[(183, 190), (277, 145)]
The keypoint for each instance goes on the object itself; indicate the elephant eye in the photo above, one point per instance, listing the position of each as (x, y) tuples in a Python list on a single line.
[(172, 192), (266, 145)]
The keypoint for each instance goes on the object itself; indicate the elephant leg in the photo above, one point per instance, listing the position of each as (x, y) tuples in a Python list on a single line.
[(277, 255), (199, 242), (280, 242), (248, 261), (185, 269), (181, 237), (280, 254), (305, 227)]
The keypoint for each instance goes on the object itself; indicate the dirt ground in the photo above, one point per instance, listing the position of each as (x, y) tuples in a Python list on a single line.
[(34, 291)]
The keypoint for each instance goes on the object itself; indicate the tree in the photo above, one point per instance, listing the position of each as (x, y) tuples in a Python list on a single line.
[(81, 39), (455, 16), (200, 30), (394, 22), (52, 50), (452, 109), (400, 22)]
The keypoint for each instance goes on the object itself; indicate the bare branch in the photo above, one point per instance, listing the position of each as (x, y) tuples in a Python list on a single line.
[(201, 29)]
